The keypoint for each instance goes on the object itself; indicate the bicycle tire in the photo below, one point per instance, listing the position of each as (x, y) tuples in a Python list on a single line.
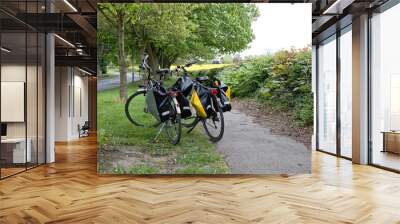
[(176, 139), (192, 120), (187, 123), (221, 114), (131, 117)]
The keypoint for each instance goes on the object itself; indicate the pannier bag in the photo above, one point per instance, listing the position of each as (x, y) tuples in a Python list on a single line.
[(158, 103), (227, 90), (201, 101), (184, 84), (184, 104), (225, 103), (224, 95)]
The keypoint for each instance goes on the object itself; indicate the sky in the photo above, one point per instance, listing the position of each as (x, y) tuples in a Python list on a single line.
[(280, 26)]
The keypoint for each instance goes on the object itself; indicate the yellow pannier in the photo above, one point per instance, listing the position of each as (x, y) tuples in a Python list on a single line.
[(198, 106), (228, 93)]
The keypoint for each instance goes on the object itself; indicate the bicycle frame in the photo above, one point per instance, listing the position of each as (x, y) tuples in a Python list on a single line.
[(196, 82), (153, 83)]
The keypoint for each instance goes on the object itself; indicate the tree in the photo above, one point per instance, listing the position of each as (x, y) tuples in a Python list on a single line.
[(106, 45), (181, 31), (196, 30), (118, 15), (161, 30)]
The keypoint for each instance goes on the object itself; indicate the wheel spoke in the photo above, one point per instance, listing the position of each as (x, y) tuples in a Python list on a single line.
[(214, 126), (173, 125), (137, 111)]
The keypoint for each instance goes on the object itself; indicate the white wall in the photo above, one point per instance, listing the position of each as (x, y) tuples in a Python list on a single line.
[(62, 82), (71, 102)]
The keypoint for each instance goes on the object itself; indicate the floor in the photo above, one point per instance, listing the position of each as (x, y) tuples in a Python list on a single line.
[(10, 171), (70, 191), (5, 172), (387, 159)]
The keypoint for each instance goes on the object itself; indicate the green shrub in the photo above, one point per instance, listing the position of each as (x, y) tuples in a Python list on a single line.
[(248, 77), (281, 80), (304, 111), (211, 73)]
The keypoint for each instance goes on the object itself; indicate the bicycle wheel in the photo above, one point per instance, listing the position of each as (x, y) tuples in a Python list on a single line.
[(214, 125), (173, 126), (190, 121), (136, 110)]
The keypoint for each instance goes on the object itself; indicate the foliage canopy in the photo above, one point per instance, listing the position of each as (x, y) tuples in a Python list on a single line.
[(169, 32)]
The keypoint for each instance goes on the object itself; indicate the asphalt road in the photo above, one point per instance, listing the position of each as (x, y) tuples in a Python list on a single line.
[(103, 84), (249, 148)]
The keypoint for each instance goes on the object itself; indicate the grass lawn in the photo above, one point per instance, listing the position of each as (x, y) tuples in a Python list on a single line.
[(195, 154)]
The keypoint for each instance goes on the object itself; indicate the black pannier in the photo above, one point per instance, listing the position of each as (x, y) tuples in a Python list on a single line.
[(184, 84), (158, 103), (223, 95), (225, 103), (184, 104)]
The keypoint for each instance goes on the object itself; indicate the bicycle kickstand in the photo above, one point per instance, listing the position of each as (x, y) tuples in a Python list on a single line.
[(159, 132)]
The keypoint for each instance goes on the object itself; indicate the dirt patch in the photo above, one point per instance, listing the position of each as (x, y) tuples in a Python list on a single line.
[(280, 123), (115, 158)]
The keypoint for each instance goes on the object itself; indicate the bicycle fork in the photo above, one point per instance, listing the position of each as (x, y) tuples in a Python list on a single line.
[(194, 124), (159, 132)]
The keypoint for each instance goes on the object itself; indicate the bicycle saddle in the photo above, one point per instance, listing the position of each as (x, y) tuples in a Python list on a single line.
[(202, 79), (163, 71)]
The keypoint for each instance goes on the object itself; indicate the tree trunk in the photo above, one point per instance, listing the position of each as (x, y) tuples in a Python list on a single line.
[(100, 52), (142, 72), (99, 73), (133, 69), (153, 59), (122, 59)]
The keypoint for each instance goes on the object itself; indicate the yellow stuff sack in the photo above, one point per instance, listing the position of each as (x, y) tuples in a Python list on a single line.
[(196, 103), (228, 93)]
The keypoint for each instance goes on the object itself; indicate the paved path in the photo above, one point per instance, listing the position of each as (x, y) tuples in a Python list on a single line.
[(250, 148), (109, 83)]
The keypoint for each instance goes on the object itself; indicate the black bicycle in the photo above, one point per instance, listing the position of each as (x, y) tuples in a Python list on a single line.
[(154, 106), (212, 117)]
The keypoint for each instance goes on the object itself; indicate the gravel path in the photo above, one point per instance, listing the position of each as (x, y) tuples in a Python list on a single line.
[(250, 148)]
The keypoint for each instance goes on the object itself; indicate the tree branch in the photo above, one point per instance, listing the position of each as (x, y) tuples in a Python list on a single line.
[(111, 21)]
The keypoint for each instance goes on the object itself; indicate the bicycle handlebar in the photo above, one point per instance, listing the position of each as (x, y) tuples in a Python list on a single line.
[(144, 64), (190, 63), (183, 67)]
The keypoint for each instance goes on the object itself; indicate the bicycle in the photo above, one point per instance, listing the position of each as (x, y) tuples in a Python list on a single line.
[(161, 108), (213, 121)]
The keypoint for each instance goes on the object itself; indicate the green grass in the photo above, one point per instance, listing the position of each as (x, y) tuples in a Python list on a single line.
[(195, 154), (139, 169)]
